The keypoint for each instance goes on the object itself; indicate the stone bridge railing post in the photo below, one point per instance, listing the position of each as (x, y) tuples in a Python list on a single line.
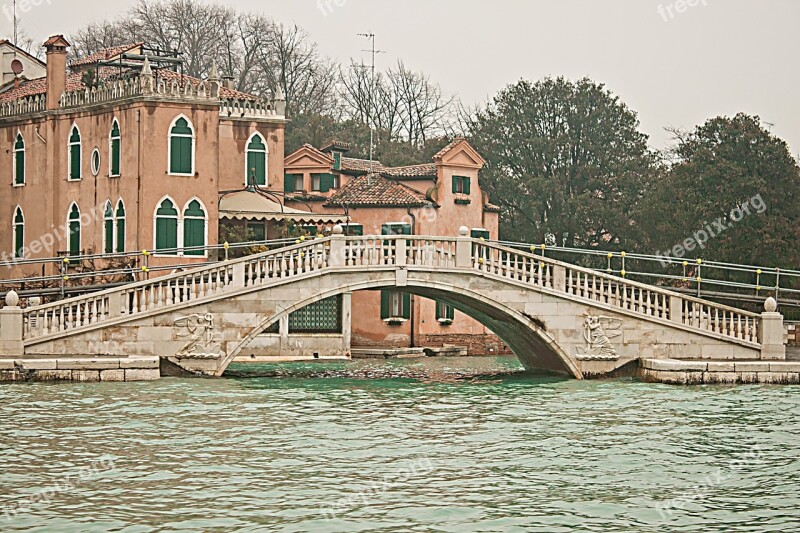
[(11, 327), (463, 248), (559, 278), (676, 309), (338, 242), (770, 332), (401, 252)]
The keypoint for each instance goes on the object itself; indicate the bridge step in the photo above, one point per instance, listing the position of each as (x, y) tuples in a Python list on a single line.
[(84, 369), (386, 353), (701, 372)]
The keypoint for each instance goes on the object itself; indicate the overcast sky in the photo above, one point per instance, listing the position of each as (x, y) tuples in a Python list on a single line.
[(674, 68)]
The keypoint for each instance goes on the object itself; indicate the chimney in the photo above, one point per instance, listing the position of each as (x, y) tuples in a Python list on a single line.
[(56, 47)]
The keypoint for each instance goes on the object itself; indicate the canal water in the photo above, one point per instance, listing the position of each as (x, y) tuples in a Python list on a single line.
[(470, 444)]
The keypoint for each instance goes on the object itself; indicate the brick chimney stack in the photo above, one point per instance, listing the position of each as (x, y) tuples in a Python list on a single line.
[(56, 47)]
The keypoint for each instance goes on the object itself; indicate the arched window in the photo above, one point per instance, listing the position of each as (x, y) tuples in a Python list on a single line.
[(19, 233), (181, 147), (115, 144), (120, 221), (166, 227), (75, 154), (256, 160), (74, 222), (194, 228), (19, 160), (108, 229)]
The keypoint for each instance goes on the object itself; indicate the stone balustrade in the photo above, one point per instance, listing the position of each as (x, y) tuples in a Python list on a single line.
[(378, 252)]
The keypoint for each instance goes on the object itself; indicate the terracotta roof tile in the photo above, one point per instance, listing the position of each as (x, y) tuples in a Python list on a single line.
[(373, 190), (54, 39), (411, 171), (361, 165), (104, 54), (441, 153), (38, 86)]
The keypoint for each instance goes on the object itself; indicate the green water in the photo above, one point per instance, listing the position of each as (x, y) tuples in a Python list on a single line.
[(433, 445)]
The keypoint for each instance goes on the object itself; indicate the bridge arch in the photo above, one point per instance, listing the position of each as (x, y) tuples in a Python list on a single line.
[(525, 335)]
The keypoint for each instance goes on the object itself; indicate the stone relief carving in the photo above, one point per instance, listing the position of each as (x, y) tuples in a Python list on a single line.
[(203, 337), (598, 332)]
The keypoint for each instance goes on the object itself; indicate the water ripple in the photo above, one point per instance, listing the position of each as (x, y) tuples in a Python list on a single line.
[(464, 445)]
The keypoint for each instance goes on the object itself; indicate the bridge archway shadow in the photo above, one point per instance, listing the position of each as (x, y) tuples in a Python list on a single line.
[(525, 335)]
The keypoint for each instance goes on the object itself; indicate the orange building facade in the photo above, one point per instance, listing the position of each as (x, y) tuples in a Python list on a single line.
[(120, 153)]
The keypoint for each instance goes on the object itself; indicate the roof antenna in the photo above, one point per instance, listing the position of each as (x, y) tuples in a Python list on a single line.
[(371, 37), (15, 23)]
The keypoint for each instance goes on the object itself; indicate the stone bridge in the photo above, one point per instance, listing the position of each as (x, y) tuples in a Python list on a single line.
[(555, 316)]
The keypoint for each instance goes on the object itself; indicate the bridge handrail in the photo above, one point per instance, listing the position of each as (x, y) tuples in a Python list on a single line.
[(389, 251), (621, 293), (628, 282)]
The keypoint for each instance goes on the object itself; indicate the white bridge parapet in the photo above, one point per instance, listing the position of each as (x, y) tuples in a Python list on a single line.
[(371, 254)]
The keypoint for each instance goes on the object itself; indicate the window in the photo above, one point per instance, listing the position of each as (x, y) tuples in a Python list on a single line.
[(444, 313), (166, 227), (256, 231), (337, 161), (395, 305), (480, 233), (461, 185), (396, 228), (324, 182), (74, 154), (194, 228), (181, 148), (115, 145), (19, 233), (19, 160), (311, 229), (256, 161), (120, 220), (353, 229), (74, 222), (94, 161), (108, 229), (293, 183), (324, 316)]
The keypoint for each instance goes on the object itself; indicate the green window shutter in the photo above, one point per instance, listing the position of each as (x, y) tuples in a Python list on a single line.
[(115, 155), (386, 229), (354, 230), (109, 247), (337, 161), (466, 185), (19, 240), (257, 161), (257, 232), (480, 233), (20, 168), (439, 311), (406, 306), (386, 302), (194, 235), (181, 156), (75, 162), (166, 234), (288, 182), (120, 235), (74, 238), (326, 182)]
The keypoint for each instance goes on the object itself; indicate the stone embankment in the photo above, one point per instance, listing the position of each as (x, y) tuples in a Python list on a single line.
[(80, 369)]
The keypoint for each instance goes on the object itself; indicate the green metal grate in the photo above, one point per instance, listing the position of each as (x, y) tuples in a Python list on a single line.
[(324, 316)]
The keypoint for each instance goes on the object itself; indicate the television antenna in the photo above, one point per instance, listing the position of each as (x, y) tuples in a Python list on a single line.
[(15, 23), (371, 37)]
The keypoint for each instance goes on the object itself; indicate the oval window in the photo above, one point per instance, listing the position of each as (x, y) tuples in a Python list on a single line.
[(95, 162)]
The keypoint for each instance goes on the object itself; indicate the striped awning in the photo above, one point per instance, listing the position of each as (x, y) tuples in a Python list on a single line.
[(247, 205)]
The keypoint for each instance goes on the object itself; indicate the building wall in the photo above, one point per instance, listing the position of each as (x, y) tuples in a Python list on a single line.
[(144, 180)]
